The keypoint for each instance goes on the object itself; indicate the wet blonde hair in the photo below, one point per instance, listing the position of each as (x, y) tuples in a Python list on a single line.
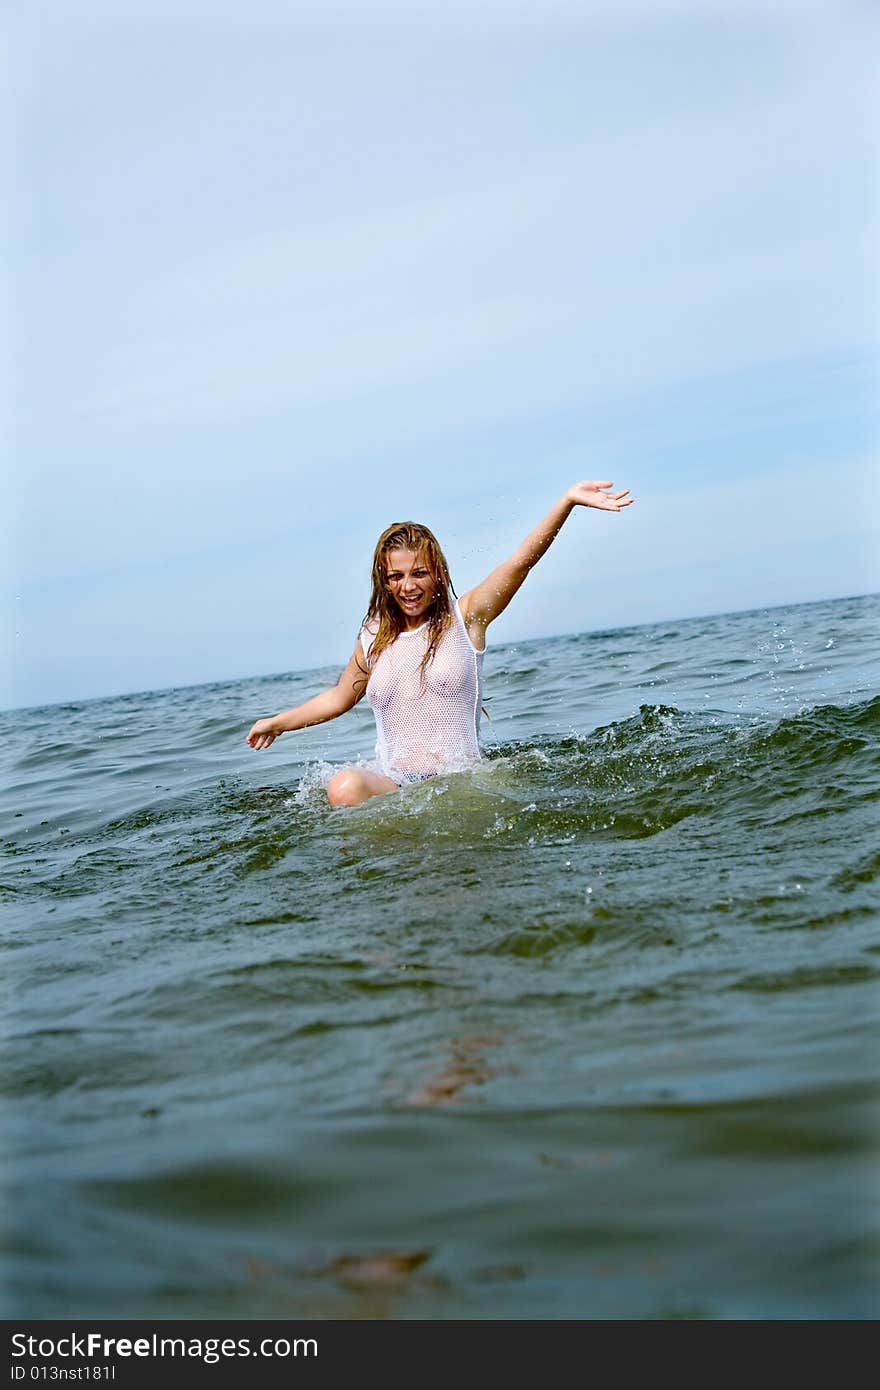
[(383, 610)]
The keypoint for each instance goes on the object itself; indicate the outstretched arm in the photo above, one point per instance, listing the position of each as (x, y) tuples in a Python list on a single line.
[(484, 602), (328, 705)]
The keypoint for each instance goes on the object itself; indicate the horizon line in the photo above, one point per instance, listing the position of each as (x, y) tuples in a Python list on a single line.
[(549, 637)]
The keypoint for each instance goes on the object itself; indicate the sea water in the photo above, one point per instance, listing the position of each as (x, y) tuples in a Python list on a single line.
[(589, 1031)]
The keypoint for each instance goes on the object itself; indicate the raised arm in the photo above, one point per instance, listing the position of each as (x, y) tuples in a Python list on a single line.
[(486, 600), (328, 705)]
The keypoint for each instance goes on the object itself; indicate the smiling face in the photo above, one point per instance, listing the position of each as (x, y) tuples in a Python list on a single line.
[(411, 583)]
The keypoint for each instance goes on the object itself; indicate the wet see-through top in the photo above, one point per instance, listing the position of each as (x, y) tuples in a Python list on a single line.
[(426, 725)]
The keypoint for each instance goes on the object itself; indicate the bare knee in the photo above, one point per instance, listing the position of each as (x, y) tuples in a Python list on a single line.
[(355, 784), (347, 788)]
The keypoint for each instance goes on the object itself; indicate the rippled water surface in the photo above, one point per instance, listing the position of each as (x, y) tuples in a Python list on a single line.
[(588, 1032)]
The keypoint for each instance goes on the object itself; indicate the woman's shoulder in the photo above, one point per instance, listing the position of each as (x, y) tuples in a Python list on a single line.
[(367, 635), (474, 629)]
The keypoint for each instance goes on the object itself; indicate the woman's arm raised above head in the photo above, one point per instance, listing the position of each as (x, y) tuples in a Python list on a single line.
[(328, 705), (486, 600)]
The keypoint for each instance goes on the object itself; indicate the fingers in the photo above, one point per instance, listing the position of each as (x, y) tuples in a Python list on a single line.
[(613, 503), (258, 739), (596, 494), (604, 502), (623, 498)]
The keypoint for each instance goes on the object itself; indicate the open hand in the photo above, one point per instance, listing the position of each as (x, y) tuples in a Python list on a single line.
[(596, 495), (262, 734)]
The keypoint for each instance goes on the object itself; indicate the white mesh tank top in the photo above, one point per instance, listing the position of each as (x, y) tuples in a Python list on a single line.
[(424, 729)]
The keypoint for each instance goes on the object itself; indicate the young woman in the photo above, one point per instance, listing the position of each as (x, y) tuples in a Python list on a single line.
[(419, 655)]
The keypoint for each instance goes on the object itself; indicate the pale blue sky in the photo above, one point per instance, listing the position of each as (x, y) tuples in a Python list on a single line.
[(281, 274)]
